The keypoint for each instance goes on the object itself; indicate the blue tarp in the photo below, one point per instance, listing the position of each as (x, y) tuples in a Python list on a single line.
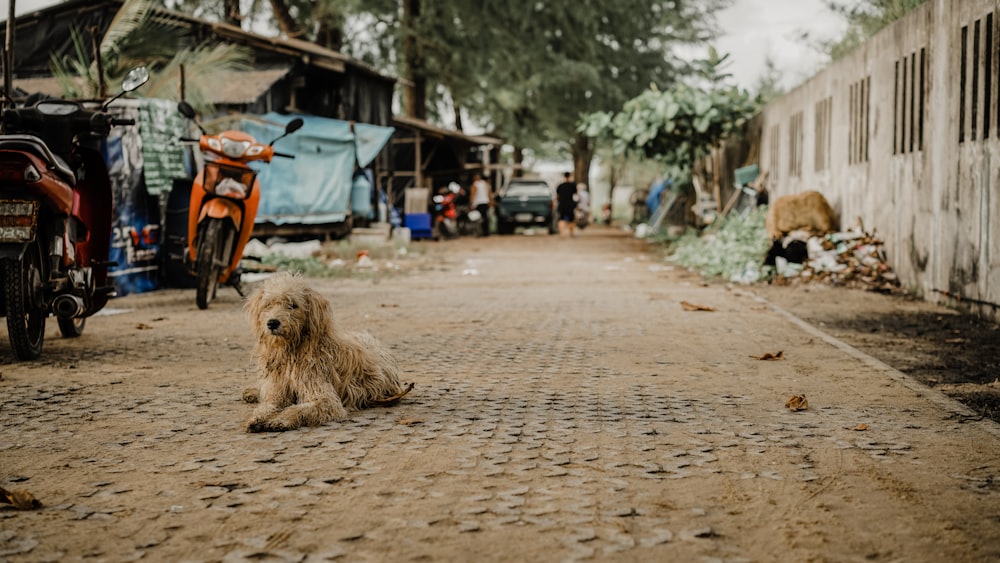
[(653, 199), (315, 186)]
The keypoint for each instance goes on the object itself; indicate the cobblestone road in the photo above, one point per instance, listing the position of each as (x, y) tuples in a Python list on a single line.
[(566, 408)]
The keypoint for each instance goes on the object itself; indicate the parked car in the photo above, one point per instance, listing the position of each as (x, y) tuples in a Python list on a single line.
[(526, 203)]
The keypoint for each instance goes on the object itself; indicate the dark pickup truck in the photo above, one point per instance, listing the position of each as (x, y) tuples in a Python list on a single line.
[(526, 203)]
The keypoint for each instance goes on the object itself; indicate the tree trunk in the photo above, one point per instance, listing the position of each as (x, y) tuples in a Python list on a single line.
[(716, 176), (458, 115), (614, 172), (286, 24), (583, 154), (518, 161), (416, 89), (232, 14)]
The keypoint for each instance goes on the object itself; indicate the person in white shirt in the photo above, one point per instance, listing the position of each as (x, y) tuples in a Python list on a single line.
[(481, 199)]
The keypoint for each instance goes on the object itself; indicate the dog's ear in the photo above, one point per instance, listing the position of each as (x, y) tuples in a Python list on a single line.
[(318, 319), (252, 305)]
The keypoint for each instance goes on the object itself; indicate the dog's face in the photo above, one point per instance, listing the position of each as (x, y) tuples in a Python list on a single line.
[(285, 308)]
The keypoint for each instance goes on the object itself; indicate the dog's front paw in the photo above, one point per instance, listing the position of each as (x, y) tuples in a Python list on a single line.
[(251, 395), (264, 425)]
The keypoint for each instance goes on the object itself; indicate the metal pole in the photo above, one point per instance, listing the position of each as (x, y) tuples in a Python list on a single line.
[(8, 57)]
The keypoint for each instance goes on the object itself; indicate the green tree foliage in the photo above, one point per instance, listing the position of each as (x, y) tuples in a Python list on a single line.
[(678, 125), (531, 70)]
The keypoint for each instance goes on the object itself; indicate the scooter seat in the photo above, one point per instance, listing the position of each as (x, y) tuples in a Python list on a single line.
[(36, 145)]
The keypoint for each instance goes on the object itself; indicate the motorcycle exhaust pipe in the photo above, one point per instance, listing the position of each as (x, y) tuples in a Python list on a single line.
[(68, 306)]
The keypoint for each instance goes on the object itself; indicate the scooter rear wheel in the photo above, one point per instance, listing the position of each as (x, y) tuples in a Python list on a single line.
[(23, 287)]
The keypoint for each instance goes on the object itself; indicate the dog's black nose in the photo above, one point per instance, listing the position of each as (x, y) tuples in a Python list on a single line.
[(273, 324)]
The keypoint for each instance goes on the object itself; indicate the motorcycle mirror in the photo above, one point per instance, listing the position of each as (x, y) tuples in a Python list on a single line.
[(135, 78), (290, 127)]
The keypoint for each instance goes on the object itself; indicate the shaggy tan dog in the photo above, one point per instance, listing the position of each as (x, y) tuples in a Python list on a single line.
[(311, 371)]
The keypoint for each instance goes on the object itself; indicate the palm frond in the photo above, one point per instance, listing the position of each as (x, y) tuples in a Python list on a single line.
[(201, 67), (131, 16), (75, 73)]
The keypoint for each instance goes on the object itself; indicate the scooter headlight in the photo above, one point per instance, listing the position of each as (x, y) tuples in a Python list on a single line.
[(234, 149)]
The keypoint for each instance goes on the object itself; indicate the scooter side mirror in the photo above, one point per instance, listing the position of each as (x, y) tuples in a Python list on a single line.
[(290, 127), (185, 109), (294, 125), (135, 78)]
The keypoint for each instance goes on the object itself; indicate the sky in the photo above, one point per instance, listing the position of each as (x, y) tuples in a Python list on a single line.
[(752, 31), (756, 29)]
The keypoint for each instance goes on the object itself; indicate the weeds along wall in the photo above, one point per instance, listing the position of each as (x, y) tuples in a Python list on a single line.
[(903, 135)]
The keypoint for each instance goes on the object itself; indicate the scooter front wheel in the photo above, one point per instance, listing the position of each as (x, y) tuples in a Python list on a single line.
[(209, 250), (22, 280)]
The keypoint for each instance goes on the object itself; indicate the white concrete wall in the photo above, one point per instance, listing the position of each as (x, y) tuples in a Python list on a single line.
[(935, 203)]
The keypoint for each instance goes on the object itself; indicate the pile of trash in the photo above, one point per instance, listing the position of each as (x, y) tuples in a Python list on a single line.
[(739, 250), (852, 258)]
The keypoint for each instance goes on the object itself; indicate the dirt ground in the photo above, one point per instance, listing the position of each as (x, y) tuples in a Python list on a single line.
[(941, 347), (568, 407)]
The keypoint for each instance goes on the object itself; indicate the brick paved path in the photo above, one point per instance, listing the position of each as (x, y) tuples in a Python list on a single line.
[(566, 408)]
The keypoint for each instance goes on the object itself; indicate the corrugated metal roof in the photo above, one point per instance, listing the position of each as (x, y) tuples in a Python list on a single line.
[(428, 128), (231, 87), (244, 87)]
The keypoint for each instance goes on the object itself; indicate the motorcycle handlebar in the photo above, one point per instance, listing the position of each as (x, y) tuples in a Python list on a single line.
[(281, 154), (118, 122), (189, 140)]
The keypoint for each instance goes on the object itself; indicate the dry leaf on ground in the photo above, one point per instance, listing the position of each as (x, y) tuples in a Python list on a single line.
[(860, 428), (695, 307), (780, 355), (21, 500), (797, 403)]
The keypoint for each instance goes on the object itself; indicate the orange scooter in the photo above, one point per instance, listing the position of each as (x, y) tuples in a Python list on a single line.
[(224, 200)]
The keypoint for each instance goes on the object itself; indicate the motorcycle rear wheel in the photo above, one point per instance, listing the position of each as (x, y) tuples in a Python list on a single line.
[(71, 328), (213, 255), (23, 287)]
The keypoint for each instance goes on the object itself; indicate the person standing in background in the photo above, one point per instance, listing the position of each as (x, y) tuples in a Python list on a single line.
[(481, 199), (566, 199)]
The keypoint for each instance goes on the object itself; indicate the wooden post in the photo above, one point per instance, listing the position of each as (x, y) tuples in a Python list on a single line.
[(418, 161)]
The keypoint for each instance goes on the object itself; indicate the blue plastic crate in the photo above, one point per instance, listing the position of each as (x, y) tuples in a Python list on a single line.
[(419, 225)]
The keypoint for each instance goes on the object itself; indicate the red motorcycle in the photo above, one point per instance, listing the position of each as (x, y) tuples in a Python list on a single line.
[(55, 215), (446, 213)]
